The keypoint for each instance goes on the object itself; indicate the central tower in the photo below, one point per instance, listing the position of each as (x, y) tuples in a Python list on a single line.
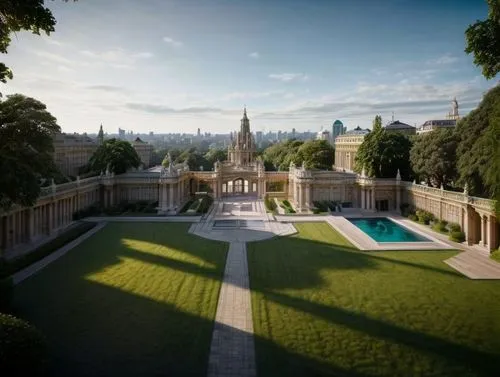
[(242, 149)]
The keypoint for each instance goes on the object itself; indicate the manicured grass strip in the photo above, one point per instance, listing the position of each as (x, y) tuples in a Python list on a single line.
[(495, 255), (10, 267), (320, 308), (135, 299)]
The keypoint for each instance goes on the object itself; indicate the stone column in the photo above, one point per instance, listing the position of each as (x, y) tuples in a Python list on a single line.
[(171, 196), (300, 197), (362, 198), (483, 230), (31, 223), (50, 226), (373, 198), (308, 195), (487, 233)]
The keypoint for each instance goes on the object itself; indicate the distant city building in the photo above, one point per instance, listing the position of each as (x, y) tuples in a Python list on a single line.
[(72, 151), (400, 127), (100, 136), (293, 133), (144, 150), (258, 137), (346, 147), (198, 133), (121, 134), (450, 120), (337, 129), (323, 135)]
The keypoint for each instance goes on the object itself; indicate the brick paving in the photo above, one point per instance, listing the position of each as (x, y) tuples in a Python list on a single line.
[(232, 351)]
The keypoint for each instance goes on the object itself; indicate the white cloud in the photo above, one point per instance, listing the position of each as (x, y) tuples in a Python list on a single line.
[(254, 55), (443, 60), (172, 42), (287, 77)]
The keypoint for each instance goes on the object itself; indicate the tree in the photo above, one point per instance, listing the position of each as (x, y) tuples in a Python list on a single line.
[(433, 157), (26, 149), (214, 155), (483, 40), (280, 155), (316, 154), (16, 15), (382, 153), (477, 150), (118, 155)]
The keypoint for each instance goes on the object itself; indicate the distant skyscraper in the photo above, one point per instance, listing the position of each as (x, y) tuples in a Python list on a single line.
[(121, 134), (337, 129), (293, 133), (199, 133), (258, 137), (100, 136)]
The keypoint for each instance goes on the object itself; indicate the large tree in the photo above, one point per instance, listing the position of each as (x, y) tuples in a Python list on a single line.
[(477, 149), (316, 154), (483, 41), (26, 149), (383, 153), (17, 15), (433, 157), (117, 155)]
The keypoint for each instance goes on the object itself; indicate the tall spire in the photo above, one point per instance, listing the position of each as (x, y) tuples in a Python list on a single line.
[(100, 136)]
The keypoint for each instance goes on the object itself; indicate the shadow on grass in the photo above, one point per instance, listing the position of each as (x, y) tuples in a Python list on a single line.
[(94, 329)]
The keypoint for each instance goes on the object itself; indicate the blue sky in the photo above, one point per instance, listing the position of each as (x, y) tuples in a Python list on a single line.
[(174, 66)]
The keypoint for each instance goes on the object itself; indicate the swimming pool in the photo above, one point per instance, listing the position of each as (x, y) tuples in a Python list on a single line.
[(382, 229)]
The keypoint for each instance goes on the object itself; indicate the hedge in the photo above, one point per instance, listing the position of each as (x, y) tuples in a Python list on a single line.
[(270, 203), (457, 236), (23, 350), (10, 267), (6, 288)]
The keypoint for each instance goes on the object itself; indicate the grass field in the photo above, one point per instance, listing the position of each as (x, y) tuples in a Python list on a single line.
[(322, 308), (133, 300)]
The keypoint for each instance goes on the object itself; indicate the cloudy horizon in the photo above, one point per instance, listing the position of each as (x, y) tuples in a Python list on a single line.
[(181, 65)]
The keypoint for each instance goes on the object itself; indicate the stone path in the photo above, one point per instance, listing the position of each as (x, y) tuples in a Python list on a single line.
[(42, 263), (475, 265), (232, 351)]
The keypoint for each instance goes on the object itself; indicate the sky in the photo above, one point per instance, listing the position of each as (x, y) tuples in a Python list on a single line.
[(173, 66)]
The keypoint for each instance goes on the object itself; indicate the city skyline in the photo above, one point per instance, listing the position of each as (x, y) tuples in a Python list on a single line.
[(178, 66)]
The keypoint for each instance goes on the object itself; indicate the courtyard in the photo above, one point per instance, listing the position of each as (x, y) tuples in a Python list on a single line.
[(140, 298), (321, 307), (134, 299)]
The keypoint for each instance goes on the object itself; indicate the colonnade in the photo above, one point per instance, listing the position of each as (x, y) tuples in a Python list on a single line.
[(49, 215), (368, 198)]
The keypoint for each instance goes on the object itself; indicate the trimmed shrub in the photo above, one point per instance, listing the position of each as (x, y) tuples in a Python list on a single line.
[(5, 294), (424, 217), (413, 217), (23, 349), (316, 210), (457, 236), (454, 227), (495, 255), (186, 206), (205, 204), (269, 203), (12, 266), (440, 226)]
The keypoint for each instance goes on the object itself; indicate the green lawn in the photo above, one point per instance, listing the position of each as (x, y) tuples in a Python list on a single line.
[(322, 308), (136, 299)]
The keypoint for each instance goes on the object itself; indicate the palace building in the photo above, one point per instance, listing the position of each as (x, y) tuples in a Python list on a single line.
[(244, 175)]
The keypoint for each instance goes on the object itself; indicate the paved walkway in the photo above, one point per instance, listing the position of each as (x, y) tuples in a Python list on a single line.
[(42, 263), (146, 219), (232, 351)]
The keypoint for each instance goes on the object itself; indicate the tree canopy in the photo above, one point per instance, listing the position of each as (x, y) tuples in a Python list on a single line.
[(15, 15), (382, 153), (26, 149), (478, 161), (315, 154), (483, 41), (118, 155), (433, 157)]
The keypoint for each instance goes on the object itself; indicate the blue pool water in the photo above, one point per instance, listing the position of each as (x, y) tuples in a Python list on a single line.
[(382, 229)]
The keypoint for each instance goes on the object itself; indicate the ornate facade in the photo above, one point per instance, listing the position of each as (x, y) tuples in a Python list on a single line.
[(243, 175)]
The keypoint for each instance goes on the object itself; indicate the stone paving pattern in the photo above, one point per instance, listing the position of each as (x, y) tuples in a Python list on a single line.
[(232, 351)]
